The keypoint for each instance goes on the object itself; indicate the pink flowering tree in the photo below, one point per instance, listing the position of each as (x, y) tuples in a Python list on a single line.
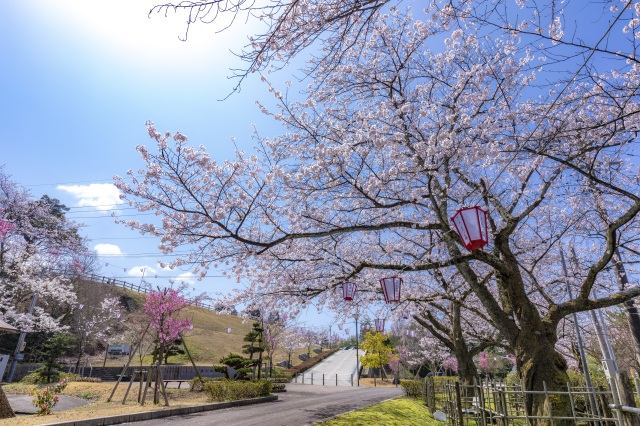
[(450, 363), (5, 226), (490, 363), (164, 308)]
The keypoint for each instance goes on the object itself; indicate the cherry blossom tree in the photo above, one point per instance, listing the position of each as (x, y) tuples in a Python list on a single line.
[(37, 242), (450, 363), (276, 327), (163, 308), (407, 117), (290, 343), (456, 319), (93, 320)]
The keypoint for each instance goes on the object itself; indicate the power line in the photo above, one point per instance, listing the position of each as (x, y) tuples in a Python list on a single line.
[(69, 183)]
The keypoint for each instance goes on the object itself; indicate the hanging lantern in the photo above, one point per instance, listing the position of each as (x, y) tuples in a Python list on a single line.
[(380, 325), (391, 289), (471, 226), (346, 331), (340, 326), (348, 291)]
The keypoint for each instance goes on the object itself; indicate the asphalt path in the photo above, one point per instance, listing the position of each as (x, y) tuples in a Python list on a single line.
[(300, 405), (341, 366)]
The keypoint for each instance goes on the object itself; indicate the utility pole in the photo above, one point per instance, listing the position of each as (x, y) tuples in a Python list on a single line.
[(355, 317), (583, 357), (608, 357), (632, 311), (20, 345)]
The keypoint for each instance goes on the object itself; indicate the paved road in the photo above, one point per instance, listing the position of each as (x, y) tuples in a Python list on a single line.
[(300, 405), (342, 363)]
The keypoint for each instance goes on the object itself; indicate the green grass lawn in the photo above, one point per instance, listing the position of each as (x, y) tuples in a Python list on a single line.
[(399, 411)]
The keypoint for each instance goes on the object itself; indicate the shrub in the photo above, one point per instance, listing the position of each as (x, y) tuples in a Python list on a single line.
[(412, 388), (197, 385), (227, 390), (36, 378), (45, 399), (32, 379), (278, 387)]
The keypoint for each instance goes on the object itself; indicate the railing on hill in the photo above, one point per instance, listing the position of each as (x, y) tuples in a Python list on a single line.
[(143, 289)]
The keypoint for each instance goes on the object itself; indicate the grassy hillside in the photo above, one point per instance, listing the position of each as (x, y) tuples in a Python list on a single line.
[(207, 342)]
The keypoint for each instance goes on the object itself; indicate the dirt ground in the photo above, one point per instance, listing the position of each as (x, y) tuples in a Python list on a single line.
[(98, 393)]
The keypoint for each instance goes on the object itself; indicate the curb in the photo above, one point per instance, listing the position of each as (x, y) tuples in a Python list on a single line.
[(150, 415)]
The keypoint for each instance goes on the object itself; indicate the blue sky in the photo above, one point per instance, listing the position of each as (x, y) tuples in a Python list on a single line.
[(78, 81)]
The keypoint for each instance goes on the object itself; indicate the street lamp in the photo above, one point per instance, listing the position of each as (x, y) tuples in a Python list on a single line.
[(391, 289), (355, 317), (471, 226)]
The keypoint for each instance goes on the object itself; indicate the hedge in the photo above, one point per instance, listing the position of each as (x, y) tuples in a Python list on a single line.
[(228, 390), (412, 388)]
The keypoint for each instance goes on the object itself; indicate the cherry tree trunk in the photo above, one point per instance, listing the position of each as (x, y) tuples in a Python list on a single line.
[(467, 370), (540, 366), (6, 411)]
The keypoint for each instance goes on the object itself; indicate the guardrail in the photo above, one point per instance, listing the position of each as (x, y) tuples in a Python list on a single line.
[(138, 288), (324, 379)]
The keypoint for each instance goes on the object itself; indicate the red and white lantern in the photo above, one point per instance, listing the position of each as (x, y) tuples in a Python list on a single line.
[(391, 289), (349, 290), (380, 325), (471, 226)]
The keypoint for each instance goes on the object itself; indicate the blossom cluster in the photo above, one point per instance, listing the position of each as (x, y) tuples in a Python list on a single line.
[(163, 308)]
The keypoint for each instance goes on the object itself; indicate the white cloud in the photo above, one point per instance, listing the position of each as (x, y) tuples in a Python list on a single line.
[(102, 196), (107, 250), (139, 271), (187, 277)]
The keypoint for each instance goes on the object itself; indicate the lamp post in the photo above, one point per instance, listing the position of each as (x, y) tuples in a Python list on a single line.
[(355, 317)]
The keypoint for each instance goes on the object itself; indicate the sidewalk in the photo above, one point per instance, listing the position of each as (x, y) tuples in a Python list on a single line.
[(23, 404)]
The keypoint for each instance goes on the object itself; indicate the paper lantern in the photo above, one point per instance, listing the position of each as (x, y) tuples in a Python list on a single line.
[(349, 290), (471, 226), (391, 289)]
